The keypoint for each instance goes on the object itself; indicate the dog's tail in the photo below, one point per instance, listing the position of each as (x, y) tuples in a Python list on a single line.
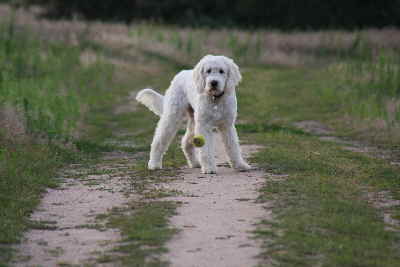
[(152, 100)]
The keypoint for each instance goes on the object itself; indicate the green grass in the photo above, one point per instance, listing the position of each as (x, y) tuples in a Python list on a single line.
[(373, 83), (144, 233), (47, 84), (321, 212), (26, 170), (284, 95)]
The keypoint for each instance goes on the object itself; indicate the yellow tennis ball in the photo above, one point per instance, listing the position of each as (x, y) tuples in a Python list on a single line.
[(199, 141)]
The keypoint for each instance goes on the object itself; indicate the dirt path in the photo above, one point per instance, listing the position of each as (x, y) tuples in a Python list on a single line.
[(217, 217), (66, 229)]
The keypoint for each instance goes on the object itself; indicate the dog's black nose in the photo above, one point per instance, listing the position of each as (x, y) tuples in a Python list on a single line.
[(214, 83)]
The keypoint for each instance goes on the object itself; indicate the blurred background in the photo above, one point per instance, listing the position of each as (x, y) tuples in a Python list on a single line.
[(282, 14)]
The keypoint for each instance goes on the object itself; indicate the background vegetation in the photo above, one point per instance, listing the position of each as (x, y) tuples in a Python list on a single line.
[(283, 14)]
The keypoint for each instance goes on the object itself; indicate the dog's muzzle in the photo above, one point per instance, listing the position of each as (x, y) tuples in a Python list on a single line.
[(214, 90)]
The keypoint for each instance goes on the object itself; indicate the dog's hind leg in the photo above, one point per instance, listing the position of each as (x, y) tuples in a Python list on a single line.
[(167, 127), (187, 142)]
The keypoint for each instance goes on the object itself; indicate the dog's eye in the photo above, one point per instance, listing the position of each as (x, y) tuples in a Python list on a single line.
[(209, 71), (221, 71)]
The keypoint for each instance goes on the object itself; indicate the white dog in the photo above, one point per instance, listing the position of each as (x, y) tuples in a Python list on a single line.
[(206, 96)]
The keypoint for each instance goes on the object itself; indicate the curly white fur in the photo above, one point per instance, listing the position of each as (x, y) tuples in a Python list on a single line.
[(206, 96)]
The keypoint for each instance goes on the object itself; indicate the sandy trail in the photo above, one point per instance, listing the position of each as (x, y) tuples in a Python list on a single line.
[(67, 231), (217, 217)]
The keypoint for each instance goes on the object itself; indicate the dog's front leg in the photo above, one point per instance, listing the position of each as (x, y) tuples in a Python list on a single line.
[(207, 158), (232, 148)]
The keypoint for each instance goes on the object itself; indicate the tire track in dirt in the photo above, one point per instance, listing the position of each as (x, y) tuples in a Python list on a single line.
[(217, 215), (65, 226)]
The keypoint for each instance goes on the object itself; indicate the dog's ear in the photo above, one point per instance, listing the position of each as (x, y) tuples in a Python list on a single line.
[(198, 76), (234, 76)]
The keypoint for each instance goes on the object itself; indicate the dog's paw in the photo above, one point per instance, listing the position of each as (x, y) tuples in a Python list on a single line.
[(154, 165), (194, 165), (242, 167)]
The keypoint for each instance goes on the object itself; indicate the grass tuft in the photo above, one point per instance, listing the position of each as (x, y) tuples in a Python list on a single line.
[(145, 230)]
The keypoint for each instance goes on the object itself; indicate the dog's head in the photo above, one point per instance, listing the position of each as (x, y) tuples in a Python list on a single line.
[(216, 75)]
